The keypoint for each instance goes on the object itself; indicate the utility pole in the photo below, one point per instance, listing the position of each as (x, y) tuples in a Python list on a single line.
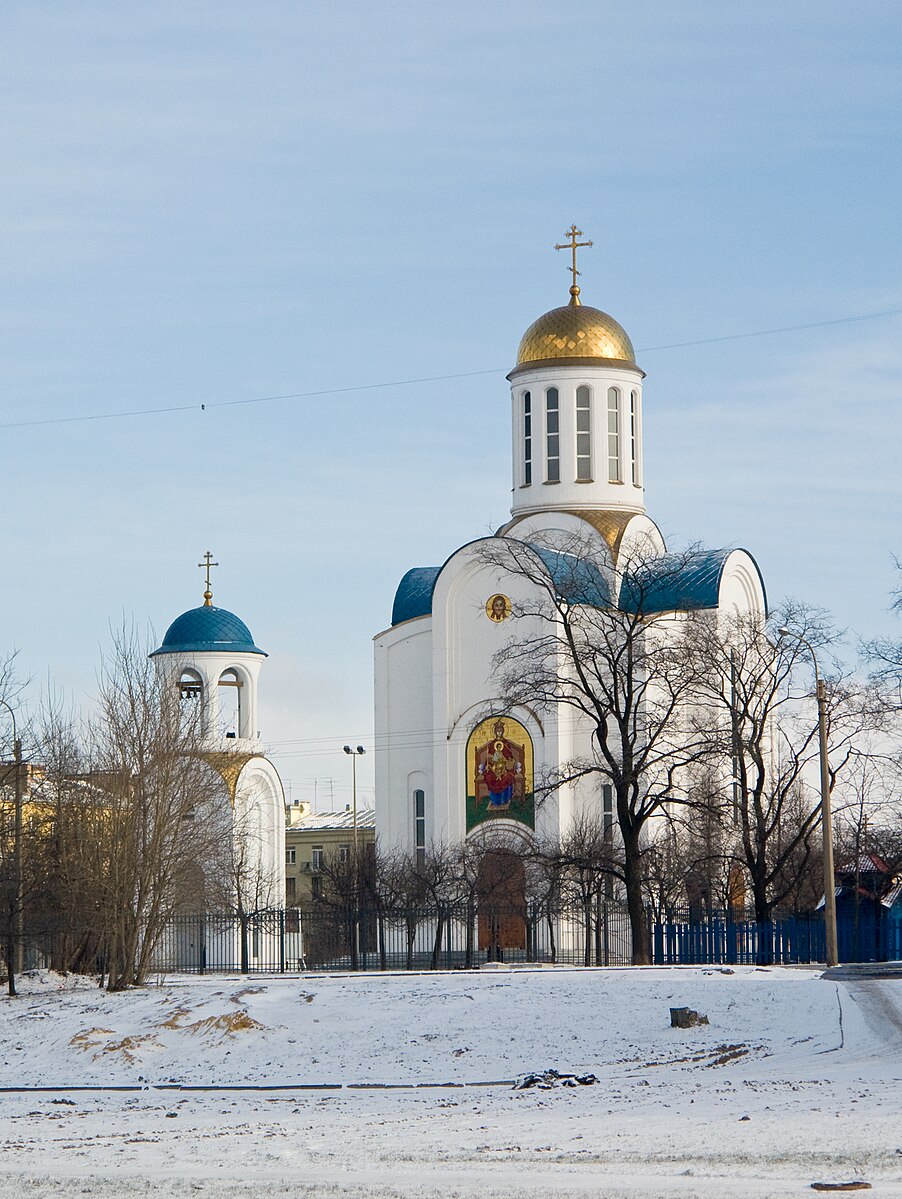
[(18, 912), (17, 862)]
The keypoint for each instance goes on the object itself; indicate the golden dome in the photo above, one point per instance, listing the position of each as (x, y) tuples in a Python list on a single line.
[(575, 331)]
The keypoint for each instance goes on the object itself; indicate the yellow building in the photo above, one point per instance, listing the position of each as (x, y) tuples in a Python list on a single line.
[(318, 840)]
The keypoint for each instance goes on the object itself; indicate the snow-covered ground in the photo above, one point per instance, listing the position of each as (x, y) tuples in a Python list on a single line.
[(796, 1079)]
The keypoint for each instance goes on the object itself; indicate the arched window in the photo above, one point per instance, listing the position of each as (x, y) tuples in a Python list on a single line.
[(419, 826), (634, 437), (527, 439), (552, 436), (230, 703), (583, 435), (614, 475)]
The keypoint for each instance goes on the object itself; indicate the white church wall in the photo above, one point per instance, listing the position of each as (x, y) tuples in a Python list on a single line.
[(465, 689), (741, 589), (259, 825), (405, 729), (642, 540)]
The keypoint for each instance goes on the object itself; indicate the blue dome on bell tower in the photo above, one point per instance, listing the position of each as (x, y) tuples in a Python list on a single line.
[(208, 630)]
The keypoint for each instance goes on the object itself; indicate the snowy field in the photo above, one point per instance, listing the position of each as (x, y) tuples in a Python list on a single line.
[(401, 1085)]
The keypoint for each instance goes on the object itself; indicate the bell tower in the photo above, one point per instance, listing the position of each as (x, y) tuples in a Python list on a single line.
[(209, 655)]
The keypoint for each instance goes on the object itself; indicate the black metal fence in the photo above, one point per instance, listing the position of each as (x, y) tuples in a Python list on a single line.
[(440, 937)]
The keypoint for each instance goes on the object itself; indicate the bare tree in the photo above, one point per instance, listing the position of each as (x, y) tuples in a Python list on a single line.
[(607, 646), (157, 818), (760, 713), (885, 654)]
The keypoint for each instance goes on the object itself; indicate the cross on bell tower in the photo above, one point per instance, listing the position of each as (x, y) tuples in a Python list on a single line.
[(573, 245), (206, 565)]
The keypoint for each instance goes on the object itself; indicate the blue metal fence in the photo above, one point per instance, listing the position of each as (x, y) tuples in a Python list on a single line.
[(725, 939)]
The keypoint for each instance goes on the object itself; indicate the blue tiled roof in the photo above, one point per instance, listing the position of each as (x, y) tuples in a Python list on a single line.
[(577, 580), (675, 583), (671, 583), (204, 630), (414, 594)]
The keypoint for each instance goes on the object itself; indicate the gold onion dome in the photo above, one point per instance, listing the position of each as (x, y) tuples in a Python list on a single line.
[(575, 331)]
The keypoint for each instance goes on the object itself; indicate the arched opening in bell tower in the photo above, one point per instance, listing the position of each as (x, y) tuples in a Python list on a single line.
[(191, 700), (231, 708)]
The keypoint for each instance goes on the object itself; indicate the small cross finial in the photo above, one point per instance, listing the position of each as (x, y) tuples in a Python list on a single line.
[(572, 245), (205, 566)]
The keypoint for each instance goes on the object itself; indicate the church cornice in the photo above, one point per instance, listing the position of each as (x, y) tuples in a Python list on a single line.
[(610, 523), (619, 364)]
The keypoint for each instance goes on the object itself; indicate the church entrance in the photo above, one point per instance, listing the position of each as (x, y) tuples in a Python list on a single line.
[(501, 899)]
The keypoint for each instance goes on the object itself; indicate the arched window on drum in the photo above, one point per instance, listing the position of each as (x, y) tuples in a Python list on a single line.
[(583, 435), (552, 436), (615, 474), (527, 439)]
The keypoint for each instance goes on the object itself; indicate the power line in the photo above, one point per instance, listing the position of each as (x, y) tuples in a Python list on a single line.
[(841, 320), (304, 395)]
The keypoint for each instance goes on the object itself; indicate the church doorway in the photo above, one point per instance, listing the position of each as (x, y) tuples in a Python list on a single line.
[(501, 900)]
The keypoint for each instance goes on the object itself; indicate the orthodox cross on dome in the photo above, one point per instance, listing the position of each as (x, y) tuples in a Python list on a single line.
[(573, 245), (205, 565)]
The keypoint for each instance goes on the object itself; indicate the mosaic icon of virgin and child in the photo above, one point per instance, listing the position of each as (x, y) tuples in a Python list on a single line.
[(500, 771)]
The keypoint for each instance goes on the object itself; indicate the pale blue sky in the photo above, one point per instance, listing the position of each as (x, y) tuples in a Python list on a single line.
[(211, 202)]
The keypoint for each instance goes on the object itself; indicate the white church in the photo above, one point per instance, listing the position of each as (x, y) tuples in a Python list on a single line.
[(455, 763)]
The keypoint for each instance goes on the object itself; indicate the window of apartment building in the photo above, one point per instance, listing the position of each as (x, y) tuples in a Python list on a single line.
[(291, 857), (316, 857)]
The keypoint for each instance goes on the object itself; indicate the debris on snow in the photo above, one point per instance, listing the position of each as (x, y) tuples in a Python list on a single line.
[(551, 1078)]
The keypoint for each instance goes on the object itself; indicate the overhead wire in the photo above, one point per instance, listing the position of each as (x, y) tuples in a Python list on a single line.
[(303, 395)]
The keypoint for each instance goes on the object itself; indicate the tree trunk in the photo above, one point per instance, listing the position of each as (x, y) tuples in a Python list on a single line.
[(587, 939), (764, 911), (632, 870), (437, 947), (382, 953), (411, 937), (10, 962)]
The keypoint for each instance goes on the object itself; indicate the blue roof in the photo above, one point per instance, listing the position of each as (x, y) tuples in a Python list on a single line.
[(414, 594), (205, 630), (675, 583), (671, 583), (576, 580)]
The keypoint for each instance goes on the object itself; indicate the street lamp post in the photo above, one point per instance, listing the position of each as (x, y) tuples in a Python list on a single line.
[(355, 754), (18, 912), (826, 810)]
